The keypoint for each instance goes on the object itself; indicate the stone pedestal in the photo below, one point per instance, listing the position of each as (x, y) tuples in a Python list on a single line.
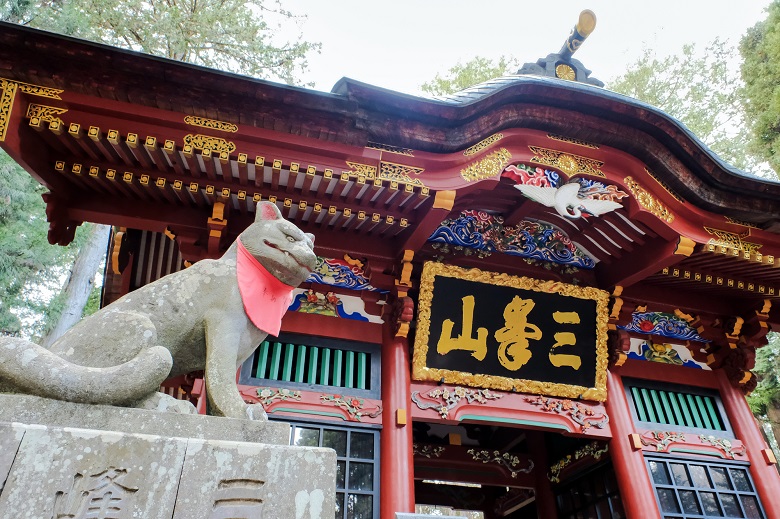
[(50, 469)]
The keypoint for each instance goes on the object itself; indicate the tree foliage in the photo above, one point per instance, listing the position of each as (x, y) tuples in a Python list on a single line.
[(701, 89), (241, 36), (760, 49), (464, 75), (767, 369)]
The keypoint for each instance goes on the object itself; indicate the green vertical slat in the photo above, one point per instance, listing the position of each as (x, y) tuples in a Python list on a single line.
[(640, 406), (659, 409), (670, 418), (694, 411), (289, 351), (325, 367), (648, 406), (678, 418), (300, 363), (687, 417), (313, 357), (337, 361), (361, 370), (275, 360), (350, 377), (714, 415), (262, 363), (702, 407)]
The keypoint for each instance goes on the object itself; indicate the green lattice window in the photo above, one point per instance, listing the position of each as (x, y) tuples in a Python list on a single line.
[(682, 408), (298, 360)]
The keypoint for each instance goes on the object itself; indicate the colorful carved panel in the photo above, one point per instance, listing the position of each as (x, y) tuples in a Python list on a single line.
[(444, 399), (341, 273), (706, 445), (663, 324), (664, 353), (330, 304), (480, 231)]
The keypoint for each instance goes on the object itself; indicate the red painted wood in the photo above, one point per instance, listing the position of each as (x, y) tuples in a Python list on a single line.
[(636, 490), (668, 373), (545, 499), (396, 461), (327, 326), (765, 476)]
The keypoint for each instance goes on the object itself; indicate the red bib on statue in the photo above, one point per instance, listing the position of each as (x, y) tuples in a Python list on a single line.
[(265, 298)]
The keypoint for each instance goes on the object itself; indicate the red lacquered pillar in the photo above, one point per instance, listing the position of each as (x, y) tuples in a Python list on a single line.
[(396, 459), (545, 499), (636, 489), (743, 423)]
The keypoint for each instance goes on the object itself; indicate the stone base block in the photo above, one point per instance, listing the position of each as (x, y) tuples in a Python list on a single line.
[(53, 472), (44, 411)]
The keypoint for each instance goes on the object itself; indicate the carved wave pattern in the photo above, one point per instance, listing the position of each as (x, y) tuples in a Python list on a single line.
[(529, 239), (663, 324), (528, 175), (339, 273)]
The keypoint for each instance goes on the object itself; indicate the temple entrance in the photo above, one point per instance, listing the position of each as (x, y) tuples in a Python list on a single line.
[(484, 471)]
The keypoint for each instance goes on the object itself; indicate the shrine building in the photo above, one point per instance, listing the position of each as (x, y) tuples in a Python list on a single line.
[(534, 298)]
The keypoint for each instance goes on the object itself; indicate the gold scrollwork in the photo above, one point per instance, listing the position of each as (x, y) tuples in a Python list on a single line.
[(33, 90), (742, 223), (45, 113), (483, 144), (648, 201), (212, 124), (399, 173), (421, 372), (732, 240), (594, 449), (490, 166), (510, 461), (576, 142), (569, 163), (390, 149), (213, 144), (7, 96)]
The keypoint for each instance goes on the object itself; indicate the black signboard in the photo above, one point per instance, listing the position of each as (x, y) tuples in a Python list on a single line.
[(506, 332)]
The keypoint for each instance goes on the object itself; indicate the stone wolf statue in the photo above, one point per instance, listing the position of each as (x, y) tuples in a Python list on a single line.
[(209, 317)]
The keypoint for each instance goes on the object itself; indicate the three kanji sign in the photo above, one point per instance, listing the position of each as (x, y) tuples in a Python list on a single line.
[(511, 333)]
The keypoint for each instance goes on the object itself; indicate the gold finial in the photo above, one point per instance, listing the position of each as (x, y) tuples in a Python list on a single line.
[(586, 23), (585, 26)]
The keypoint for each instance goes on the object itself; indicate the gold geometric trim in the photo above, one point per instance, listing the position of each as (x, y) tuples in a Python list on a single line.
[(732, 240), (568, 163), (362, 170), (742, 223), (483, 144), (576, 142), (34, 90), (647, 201), (490, 166), (399, 173), (6, 105), (720, 281), (664, 185), (212, 124), (213, 144), (45, 113), (390, 149)]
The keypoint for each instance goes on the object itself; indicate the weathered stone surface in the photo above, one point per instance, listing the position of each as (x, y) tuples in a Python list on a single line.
[(10, 438), (231, 480), (85, 473), (35, 410)]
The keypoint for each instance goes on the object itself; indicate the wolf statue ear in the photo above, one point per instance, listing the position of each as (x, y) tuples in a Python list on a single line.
[(267, 211)]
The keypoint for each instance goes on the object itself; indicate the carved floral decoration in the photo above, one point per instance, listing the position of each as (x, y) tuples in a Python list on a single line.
[(505, 459), (427, 450), (450, 398), (593, 449), (661, 439), (485, 233), (724, 445), (581, 414), (355, 407), (269, 395)]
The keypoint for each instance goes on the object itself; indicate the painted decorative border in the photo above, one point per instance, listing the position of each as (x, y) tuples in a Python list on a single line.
[(451, 398), (355, 407), (421, 372), (581, 414), (340, 273), (664, 353), (568, 163), (528, 239), (313, 302)]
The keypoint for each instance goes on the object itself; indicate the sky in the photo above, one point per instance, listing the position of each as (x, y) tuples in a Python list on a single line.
[(400, 44)]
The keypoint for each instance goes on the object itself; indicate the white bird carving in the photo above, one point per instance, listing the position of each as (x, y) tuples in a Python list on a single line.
[(566, 200)]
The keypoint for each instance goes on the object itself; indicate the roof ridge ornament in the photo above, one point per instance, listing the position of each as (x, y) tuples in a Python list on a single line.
[(562, 65)]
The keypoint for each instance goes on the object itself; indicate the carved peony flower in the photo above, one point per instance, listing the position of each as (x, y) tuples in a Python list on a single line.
[(645, 325), (355, 402), (265, 393)]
